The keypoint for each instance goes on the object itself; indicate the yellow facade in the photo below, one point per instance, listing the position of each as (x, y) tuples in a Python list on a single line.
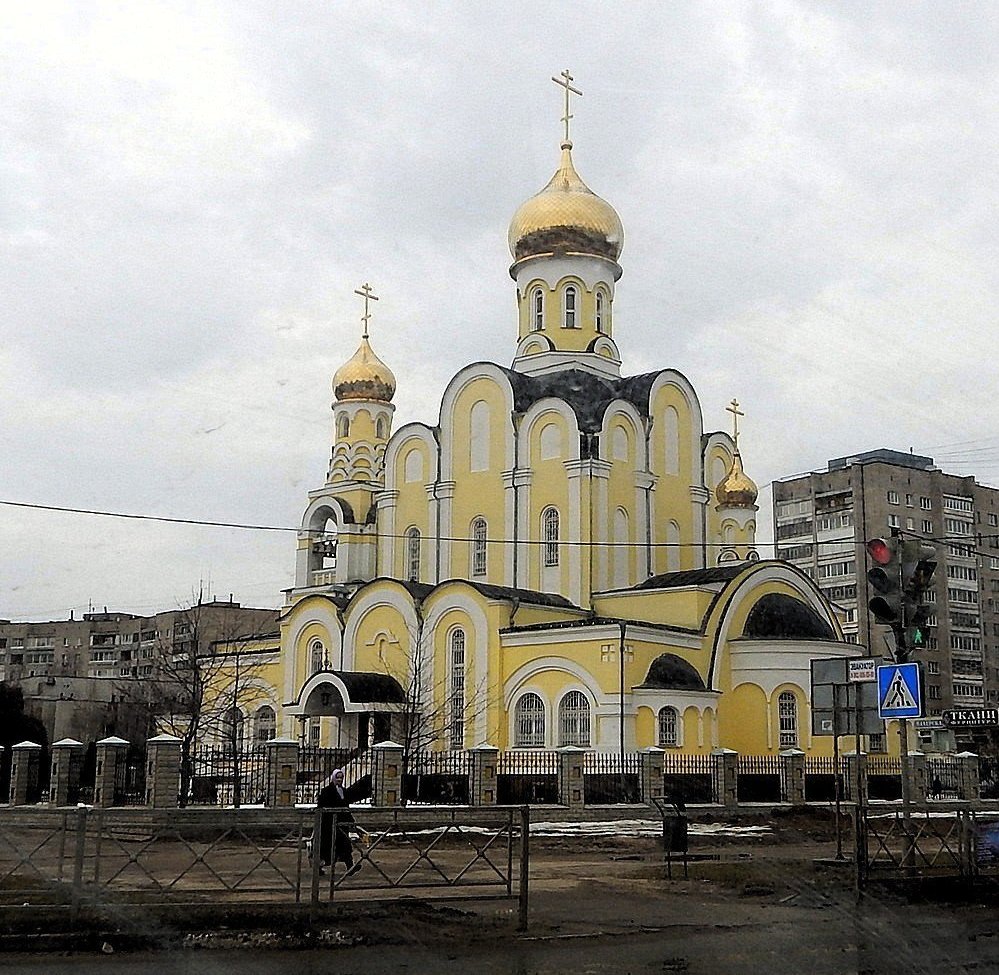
[(566, 557)]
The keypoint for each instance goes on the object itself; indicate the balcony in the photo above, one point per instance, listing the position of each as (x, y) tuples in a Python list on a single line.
[(322, 577)]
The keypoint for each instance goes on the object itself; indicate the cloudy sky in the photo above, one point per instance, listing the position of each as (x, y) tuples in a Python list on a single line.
[(190, 194)]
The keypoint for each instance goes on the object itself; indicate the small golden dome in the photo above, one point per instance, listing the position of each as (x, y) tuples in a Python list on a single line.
[(736, 490), (566, 214), (364, 376)]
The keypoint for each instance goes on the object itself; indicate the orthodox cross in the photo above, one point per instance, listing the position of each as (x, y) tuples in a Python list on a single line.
[(733, 408), (565, 83), (368, 295)]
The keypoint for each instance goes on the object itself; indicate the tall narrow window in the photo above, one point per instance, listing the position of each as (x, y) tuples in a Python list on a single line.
[(265, 723), (667, 728), (549, 532), (456, 696), (342, 427), (569, 307), (317, 656), (529, 722), (380, 428), (538, 310), (598, 312), (232, 730), (787, 716), (479, 547), (413, 554), (574, 720)]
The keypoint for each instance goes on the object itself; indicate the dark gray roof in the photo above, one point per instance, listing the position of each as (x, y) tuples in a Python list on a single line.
[(777, 616), (363, 686), (586, 394), (669, 671), (595, 621), (693, 577)]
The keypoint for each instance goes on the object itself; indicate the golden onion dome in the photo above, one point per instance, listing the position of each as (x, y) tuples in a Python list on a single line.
[(364, 376), (566, 215), (736, 490)]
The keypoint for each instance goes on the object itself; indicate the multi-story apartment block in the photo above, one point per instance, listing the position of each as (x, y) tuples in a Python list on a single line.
[(70, 671), (822, 521)]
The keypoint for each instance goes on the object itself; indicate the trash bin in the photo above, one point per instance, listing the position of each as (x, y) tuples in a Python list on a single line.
[(674, 816)]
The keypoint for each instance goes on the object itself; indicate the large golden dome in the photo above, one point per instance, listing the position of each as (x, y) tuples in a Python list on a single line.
[(736, 490), (364, 376), (566, 215)]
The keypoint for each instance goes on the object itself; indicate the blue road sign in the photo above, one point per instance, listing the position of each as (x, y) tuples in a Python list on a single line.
[(898, 691)]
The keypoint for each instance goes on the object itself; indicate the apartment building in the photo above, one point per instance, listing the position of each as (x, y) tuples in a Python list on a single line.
[(822, 521)]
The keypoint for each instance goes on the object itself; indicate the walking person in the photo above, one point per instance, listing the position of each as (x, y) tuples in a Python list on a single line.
[(336, 845)]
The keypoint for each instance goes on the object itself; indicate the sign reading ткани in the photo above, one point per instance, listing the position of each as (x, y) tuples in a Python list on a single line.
[(975, 718)]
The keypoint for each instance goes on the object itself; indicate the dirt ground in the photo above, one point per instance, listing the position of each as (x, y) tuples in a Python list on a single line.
[(605, 905)]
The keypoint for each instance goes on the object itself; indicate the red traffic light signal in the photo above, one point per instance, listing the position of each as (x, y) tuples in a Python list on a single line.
[(880, 551)]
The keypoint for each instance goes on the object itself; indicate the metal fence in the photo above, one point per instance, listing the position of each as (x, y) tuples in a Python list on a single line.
[(759, 778), (437, 777), (223, 776), (689, 777), (527, 777), (821, 775), (943, 778), (610, 777), (884, 777), (316, 766), (918, 844)]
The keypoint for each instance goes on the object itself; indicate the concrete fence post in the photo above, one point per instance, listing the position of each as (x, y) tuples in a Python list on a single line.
[(792, 776), (856, 771), (968, 777), (109, 770), (653, 779), (163, 772), (25, 772), (64, 776), (725, 781), (918, 786), (571, 784), (282, 771), (386, 773), (482, 775)]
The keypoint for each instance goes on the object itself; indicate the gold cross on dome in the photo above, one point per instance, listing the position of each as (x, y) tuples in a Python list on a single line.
[(733, 408), (565, 83), (368, 295)]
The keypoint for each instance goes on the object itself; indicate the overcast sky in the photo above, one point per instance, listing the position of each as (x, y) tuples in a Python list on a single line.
[(190, 194)]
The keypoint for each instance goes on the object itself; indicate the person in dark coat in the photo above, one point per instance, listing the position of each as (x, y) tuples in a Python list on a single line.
[(338, 847)]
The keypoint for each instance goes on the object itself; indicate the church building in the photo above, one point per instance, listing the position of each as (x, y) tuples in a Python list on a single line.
[(564, 557)]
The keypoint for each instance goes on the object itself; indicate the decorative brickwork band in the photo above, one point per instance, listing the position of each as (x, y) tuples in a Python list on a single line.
[(282, 771), (571, 791), (482, 785)]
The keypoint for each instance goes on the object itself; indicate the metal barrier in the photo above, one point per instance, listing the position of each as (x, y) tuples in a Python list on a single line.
[(759, 778), (438, 777), (916, 844), (689, 777), (527, 777), (610, 777)]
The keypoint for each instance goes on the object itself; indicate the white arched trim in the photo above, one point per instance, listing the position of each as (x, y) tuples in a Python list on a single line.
[(625, 414), (401, 441), (377, 594), (311, 610), (535, 418), (468, 375)]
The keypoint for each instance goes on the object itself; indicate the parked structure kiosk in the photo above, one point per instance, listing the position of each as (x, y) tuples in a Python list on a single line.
[(674, 814)]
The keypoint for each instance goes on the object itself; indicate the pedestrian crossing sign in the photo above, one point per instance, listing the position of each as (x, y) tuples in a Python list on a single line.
[(898, 691)]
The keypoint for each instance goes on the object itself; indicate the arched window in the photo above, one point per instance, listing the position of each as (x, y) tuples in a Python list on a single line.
[(569, 306), (668, 722), (574, 719), (598, 312), (380, 428), (413, 554), (529, 722), (232, 730), (317, 656), (456, 690), (479, 547), (342, 426), (538, 310), (549, 535), (264, 723), (787, 716)]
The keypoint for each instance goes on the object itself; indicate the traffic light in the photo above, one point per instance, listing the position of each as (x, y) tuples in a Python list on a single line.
[(919, 561), (886, 579)]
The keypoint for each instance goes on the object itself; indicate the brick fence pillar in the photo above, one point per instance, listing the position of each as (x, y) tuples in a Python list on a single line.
[(282, 771), (111, 755), (968, 777), (163, 771), (571, 790), (725, 780), (918, 785), (25, 772), (653, 779), (64, 778), (792, 776), (482, 775), (856, 770), (386, 774)]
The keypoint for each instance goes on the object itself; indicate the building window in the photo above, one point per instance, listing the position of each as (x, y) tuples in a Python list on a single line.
[(317, 656), (993, 519), (380, 428), (908, 500), (893, 497), (413, 554), (342, 427), (232, 730), (569, 306), (538, 310), (479, 547), (927, 527), (926, 504), (668, 726), (574, 720), (456, 691), (893, 521), (787, 715), (264, 724), (598, 315), (877, 743), (549, 534), (529, 722)]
